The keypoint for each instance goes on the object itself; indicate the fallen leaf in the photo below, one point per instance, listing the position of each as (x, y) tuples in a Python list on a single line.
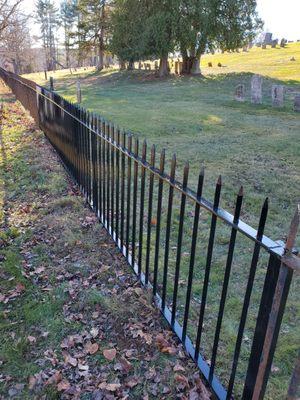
[(91, 348), (31, 339), (32, 382), (178, 368), (94, 332), (63, 385), (181, 379), (132, 383), (110, 354), (111, 387), (70, 360)]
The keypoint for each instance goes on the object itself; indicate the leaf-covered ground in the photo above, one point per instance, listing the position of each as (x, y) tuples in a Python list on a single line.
[(74, 321)]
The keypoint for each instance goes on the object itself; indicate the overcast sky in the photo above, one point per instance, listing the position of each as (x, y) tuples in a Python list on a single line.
[(281, 17)]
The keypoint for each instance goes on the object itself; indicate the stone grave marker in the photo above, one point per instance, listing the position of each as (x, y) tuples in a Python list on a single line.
[(256, 89), (297, 103), (277, 95), (239, 93)]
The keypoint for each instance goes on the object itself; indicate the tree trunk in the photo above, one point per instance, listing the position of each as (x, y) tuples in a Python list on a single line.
[(122, 65), (195, 69), (100, 61), (163, 67), (130, 66)]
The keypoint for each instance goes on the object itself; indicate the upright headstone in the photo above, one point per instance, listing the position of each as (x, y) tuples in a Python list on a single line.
[(78, 91), (277, 95), (239, 93), (264, 46), (283, 42), (51, 83), (297, 103), (256, 89)]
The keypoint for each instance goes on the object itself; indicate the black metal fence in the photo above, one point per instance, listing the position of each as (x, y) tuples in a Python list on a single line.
[(169, 235)]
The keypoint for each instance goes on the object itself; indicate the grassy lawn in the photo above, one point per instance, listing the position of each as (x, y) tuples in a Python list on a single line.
[(254, 146)]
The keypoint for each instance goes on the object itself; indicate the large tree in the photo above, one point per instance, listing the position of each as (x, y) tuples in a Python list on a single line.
[(93, 24), (17, 44), (211, 24), (8, 11), (145, 29), (154, 28), (68, 14), (47, 18), (127, 39)]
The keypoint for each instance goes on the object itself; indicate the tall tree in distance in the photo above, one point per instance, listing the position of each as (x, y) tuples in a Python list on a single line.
[(127, 38), (68, 14), (93, 27), (47, 18)]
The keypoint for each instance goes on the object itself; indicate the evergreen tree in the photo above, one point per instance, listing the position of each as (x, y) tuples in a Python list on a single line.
[(68, 14), (92, 29), (154, 28), (211, 24), (47, 17)]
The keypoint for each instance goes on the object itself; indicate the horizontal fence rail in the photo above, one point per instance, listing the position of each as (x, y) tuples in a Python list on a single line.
[(169, 235)]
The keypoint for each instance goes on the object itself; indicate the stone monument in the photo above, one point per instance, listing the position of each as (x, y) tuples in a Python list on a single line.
[(277, 95), (297, 103), (256, 89)]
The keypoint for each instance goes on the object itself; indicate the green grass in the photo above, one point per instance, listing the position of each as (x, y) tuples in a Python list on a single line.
[(254, 146)]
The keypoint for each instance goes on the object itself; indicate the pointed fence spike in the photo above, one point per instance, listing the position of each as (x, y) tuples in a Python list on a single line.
[(241, 191), (219, 181), (262, 219)]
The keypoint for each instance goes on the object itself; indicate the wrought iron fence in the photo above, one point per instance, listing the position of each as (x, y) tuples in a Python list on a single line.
[(168, 233)]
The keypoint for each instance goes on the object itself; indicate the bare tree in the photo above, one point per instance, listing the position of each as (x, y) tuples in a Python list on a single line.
[(8, 10), (17, 44)]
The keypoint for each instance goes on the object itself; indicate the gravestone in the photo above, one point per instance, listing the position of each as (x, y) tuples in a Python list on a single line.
[(256, 89), (245, 49), (274, 43), (283, 42), (277, 95), (264, 46), (297, 103), (239, 93)]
